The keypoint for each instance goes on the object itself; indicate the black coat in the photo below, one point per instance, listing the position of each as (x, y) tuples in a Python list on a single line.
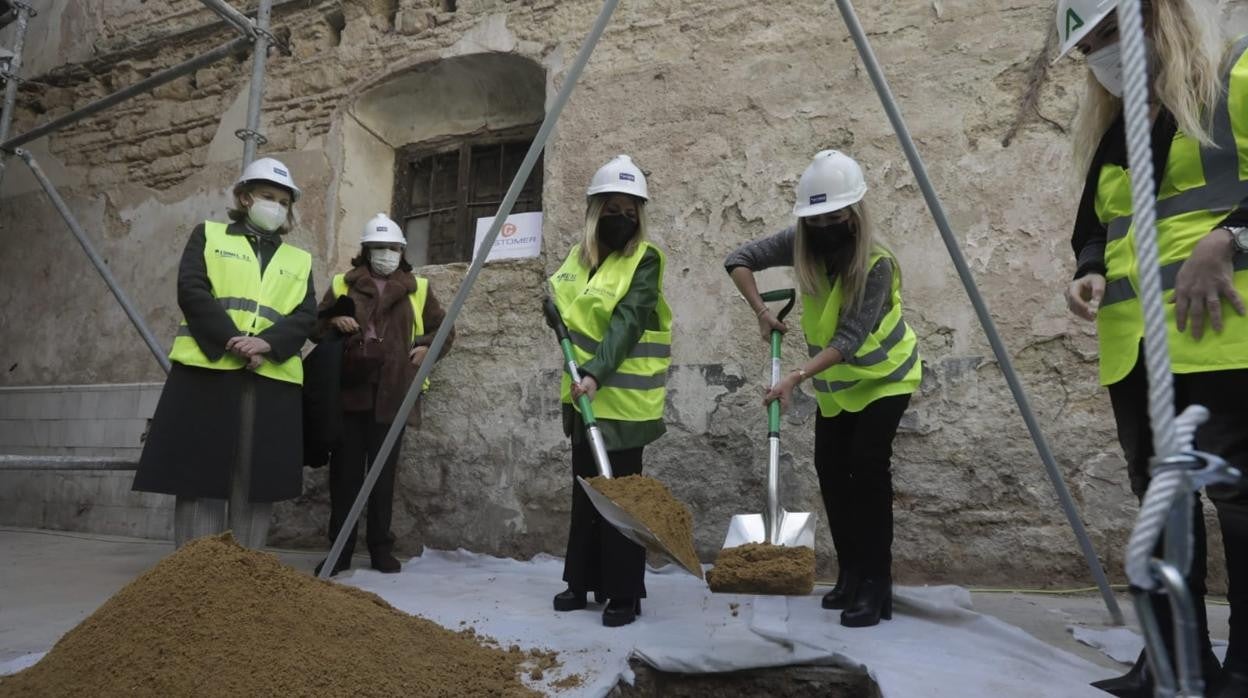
[(193, 443), (322, 391)]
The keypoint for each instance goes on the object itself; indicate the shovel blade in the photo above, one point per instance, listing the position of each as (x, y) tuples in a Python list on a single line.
[(796, 529), (632, 527)]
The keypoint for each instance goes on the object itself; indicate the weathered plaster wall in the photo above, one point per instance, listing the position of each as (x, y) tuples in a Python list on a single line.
[(723, 103)]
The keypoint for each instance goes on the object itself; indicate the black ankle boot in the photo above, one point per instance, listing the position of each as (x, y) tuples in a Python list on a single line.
[(1233, 685), (1136, 683), (621, 612), (842, 595), (383, 561), (570, 600), (344, 563), (873, 601)]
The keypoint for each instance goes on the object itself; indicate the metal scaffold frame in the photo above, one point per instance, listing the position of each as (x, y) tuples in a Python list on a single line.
[(256, 32)]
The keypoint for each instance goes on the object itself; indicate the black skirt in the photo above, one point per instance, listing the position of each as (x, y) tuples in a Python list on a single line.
[(193, 442)]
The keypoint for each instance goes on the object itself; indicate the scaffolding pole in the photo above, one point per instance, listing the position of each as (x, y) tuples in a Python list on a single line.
[(981, 308), (24, 13), (100, 265), (125, 93), (435, 349), (232, 16), (251, 133), (48, 463)]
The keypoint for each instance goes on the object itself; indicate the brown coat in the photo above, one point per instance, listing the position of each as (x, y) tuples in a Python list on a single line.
[(390, 318)]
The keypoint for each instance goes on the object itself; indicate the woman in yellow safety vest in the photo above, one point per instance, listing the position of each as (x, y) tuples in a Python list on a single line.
[(1199, 106), (389, 317), (864, 365), (228, 424), (609, 292)]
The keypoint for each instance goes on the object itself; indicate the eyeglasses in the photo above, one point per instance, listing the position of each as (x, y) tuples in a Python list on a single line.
[(1104, 34)]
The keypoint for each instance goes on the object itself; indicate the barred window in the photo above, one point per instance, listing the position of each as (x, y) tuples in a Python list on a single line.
[(442, 187)]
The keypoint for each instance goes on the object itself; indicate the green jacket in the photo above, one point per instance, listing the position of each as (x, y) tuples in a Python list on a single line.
[(634, 314)]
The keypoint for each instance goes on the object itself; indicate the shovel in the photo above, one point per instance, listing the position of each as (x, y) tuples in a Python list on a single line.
[(776, 526), (627, 524)]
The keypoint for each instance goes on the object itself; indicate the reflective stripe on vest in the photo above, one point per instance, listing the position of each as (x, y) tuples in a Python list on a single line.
[(1200, 186), (416, 298), (637, 390), (886, 364), (254, 302)]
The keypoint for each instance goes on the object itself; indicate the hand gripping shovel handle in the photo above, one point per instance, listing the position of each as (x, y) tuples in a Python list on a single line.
[(773, 418), (773, 410), (597, 445)]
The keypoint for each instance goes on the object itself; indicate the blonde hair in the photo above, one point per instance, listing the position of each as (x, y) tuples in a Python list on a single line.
[(812, 274), (589, 243), (1191, 48)]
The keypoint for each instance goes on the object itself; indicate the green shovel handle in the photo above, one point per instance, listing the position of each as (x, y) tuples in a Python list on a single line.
[(782, 294), (789, 295), (555, 321)]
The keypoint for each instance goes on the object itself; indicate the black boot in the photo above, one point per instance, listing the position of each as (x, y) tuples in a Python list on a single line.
[(344, 563), (570, 600), (1234, 685), (873, 601), (842, 595), (385, 562), (1137, 682), (621, 612)]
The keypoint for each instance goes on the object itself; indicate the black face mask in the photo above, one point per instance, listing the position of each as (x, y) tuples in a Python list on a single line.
[(615, 231), (828, 240)]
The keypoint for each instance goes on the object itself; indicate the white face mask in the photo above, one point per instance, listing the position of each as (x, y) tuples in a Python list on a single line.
[(267, 215), (383, 261), (1106, 65)]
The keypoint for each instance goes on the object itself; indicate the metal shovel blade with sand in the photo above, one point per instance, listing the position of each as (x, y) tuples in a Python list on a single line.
[(775, 526), (615, 514)]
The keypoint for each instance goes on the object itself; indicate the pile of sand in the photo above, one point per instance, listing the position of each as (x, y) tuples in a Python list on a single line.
[(652, 503), (763, 568), (217, 619)]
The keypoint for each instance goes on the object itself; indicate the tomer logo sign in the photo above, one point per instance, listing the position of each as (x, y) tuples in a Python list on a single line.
[(519, 237)]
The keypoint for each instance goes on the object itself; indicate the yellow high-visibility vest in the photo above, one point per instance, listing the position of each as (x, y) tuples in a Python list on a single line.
[(1200, 186), (886, 364), (252, 300), (638, 388)]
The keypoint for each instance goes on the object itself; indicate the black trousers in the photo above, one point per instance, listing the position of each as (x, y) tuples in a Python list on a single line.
[(1225, 394), (853, 458), (600, 559), (348, 464)]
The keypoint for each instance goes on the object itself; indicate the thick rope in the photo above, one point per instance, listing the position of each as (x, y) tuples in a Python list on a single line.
[(1156, 507)]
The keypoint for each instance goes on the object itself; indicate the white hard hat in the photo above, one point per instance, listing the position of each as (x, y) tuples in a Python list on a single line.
[(382, 230), (619, 176), (832, 182), (1077, 18), (271, 171)]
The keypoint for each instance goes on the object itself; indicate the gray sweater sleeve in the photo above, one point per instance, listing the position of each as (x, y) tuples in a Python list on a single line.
[(852, 328), (757, 255)]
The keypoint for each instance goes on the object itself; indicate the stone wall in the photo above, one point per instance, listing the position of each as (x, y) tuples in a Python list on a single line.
[(722, 103)]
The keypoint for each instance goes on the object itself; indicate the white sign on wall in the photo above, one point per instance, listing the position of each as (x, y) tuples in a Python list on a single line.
[(521, 236)]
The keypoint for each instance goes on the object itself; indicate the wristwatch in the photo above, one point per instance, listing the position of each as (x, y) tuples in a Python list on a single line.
[(1239, 238)]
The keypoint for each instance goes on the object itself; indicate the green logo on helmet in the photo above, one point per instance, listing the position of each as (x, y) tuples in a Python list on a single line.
[(1073, 22)]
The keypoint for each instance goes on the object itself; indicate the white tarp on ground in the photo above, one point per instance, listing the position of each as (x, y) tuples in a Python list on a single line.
[(1124, 644), (936, 645)]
